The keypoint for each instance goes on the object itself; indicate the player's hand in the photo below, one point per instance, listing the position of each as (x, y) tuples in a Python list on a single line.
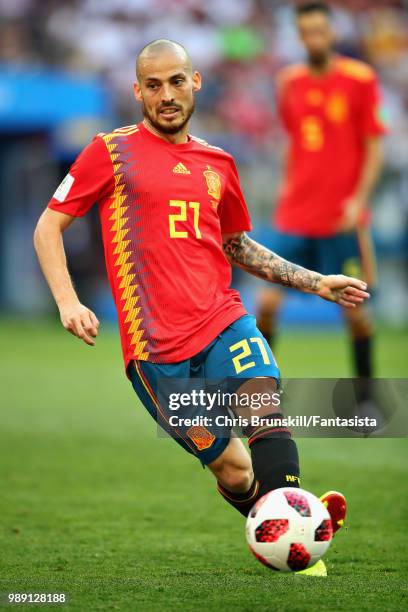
[(352, 213), (80, 322), (344, 290)]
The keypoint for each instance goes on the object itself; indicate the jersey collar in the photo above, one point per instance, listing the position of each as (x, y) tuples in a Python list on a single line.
[(148, 134)]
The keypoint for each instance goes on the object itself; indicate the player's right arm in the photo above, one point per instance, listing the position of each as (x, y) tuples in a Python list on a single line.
[(48, 243), (90, 179)]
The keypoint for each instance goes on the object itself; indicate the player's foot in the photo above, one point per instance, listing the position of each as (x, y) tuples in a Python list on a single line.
[(318, 569), (336, 506)]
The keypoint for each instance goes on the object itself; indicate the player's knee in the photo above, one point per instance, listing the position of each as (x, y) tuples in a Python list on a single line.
[(233, 468), (236, 478)]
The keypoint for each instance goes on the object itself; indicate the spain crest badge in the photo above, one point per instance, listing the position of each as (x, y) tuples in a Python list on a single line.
[(201, 437), (213, 185)]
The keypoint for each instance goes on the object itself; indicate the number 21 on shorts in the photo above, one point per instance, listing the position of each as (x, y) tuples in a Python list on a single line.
[(245, 350)]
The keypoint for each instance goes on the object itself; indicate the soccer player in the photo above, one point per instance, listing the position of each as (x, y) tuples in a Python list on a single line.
[(174, 220), (330, 107)]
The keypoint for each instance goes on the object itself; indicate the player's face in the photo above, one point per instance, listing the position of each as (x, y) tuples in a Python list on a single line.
[(166, 90), (317, 35)]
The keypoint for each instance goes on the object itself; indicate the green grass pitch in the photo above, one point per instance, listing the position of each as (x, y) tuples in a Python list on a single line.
[(94, 505)]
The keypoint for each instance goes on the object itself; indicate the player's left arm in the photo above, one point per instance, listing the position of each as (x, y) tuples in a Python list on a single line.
[(256, 259), (369, 175), (370, 126), (371, 168)]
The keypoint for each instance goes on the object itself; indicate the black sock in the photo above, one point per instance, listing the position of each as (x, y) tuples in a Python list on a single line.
[(242, 502), (275, 462), (362, 353)]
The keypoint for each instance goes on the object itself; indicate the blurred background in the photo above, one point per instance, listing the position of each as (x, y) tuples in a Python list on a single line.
[(66, 69)]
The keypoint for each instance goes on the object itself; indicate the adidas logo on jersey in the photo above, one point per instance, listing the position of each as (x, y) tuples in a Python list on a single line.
[(180, 169)]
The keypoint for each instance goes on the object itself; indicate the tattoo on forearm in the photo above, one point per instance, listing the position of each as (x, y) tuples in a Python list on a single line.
[(258, 260)]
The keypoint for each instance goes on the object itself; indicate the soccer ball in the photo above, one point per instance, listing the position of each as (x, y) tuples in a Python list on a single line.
[(289, 529)]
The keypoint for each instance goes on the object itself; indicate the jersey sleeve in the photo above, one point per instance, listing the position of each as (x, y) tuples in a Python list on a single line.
[(89, 179), (372, 120), (233, 211)]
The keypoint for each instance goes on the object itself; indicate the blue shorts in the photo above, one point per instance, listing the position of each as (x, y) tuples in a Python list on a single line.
[(339, 254), (239, 352)]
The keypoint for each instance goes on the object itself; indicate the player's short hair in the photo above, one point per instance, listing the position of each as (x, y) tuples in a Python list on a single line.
[(160, 45), (305, 8)]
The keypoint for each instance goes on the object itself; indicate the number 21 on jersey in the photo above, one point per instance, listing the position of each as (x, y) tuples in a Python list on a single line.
[(184, 211)]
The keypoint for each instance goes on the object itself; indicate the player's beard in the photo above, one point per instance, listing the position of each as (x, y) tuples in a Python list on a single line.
[(170, 129), (319, 59)]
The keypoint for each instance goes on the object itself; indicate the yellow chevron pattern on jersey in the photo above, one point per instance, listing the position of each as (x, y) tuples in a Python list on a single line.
[(355, 69), (127, 129), (126, 277)]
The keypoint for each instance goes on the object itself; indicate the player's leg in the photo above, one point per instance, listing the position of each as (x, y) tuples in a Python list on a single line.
[(242, 356), (359, 320), (235, 478), (233, 468), (352, 254), (270, 297), (361, 335), (274, 454), (226, 457), (149, 382)]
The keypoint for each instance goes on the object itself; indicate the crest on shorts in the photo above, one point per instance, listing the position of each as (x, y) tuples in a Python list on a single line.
[(201, 437), (213, 183)]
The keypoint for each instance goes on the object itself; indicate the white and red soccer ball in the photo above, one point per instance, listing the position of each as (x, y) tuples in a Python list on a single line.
[(289, 529)]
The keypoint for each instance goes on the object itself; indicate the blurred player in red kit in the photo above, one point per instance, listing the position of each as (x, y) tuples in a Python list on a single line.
[(330, 107)]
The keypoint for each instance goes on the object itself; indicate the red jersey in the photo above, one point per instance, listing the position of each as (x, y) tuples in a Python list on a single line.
[(327, 119), (163, 208)]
